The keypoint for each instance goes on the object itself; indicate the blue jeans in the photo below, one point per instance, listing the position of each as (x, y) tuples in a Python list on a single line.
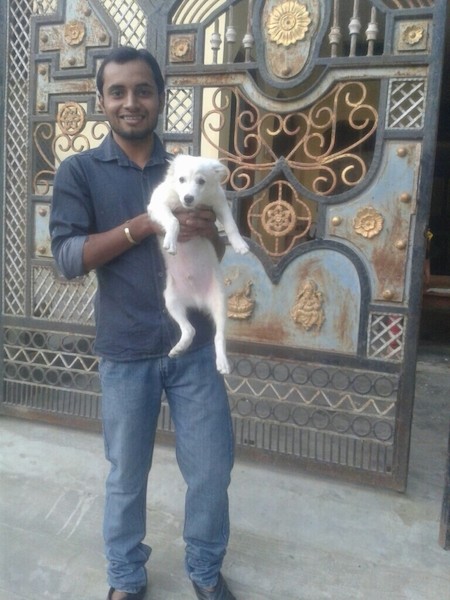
[(204, 449)]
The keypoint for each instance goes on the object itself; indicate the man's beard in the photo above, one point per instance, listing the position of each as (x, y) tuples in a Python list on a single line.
[(133, 135)]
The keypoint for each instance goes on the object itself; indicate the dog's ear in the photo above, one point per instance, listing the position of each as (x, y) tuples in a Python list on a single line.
[(171, 166), (221, 170)]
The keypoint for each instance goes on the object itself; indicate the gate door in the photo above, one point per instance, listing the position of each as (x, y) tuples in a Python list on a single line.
[(325, 113)]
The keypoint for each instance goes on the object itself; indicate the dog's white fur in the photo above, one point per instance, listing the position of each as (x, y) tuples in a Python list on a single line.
[(194, 279)]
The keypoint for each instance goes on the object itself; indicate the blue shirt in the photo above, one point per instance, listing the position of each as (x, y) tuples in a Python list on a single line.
[(95, 191)]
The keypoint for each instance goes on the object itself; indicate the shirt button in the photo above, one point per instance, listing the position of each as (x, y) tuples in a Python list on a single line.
[(160, 274)]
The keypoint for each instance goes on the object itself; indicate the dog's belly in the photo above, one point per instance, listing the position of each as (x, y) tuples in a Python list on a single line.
[(194, 272)]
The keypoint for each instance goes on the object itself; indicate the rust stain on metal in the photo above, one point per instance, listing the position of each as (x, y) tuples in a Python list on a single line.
[(272, 331), (389, 262), (344, 326)]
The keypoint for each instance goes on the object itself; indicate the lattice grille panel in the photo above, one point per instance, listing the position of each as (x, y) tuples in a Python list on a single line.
[(70, 302), (16, 159), (44, 7), (406, 103), (325, 414), (386, 336), (179, 110), (409, 3), (131, 21), (22, 396), (51, 359)]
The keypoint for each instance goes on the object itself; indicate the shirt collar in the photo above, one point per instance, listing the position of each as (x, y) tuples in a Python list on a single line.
[(109, 150)]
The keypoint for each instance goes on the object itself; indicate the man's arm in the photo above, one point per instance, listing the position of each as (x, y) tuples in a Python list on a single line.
[(76, 249), (100, 248)]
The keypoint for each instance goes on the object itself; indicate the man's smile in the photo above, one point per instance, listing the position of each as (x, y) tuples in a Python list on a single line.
[(132, 118)]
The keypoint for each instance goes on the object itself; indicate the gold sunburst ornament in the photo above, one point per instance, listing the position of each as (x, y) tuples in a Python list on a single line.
[(288, 23)]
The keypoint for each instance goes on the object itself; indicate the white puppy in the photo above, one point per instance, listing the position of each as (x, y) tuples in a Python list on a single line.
[(194, 279)]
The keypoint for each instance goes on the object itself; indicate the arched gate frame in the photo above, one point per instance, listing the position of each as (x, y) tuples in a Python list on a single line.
[(325, 113)]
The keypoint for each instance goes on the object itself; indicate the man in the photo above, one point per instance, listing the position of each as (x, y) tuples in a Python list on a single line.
[(99, 221)]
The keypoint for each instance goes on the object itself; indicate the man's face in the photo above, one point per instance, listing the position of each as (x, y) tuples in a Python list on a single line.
[(130, 100)]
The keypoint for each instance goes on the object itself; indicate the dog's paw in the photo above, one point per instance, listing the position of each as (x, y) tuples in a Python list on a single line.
[(223, 365), (240, 246), (187, 335), (170, 244), (238, 243)]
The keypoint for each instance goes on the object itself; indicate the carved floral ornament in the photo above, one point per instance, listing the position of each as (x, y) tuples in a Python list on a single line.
[(288, 23), (413, 34), (368, 222), (71, 118), (182, 48), (279, 218), (74, 33)]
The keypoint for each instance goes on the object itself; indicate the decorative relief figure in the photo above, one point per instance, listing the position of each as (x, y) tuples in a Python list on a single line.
[(307, 311), (288, 23), (368, 222), (241, 304), (74, 33)]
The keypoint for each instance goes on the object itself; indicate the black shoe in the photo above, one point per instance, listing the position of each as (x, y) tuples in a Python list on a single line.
[(137, 596), (220, 592)]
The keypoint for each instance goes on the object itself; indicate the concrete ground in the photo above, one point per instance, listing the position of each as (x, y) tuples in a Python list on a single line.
[(295, 536)]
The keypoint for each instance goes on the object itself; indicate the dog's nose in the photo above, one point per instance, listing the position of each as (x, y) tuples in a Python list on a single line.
[(188, 199)]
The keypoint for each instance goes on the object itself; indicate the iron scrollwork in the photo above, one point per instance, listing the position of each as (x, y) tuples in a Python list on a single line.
[(72, 133), (311, 147)]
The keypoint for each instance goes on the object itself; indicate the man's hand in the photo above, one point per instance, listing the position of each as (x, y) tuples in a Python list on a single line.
[(199, 222)]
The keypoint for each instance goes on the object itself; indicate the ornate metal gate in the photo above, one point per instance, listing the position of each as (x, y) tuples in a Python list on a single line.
[(325, 113)]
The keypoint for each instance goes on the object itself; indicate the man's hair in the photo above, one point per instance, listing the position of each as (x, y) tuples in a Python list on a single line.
[(125, 54)]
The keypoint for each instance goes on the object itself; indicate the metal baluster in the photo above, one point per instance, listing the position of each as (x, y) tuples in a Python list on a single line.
[(230, 34), (335, 31), (215, 41), (354, 28), (372, 32), (249, 40)]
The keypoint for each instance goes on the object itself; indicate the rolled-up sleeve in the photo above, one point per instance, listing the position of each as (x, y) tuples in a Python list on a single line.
[(71, 218)]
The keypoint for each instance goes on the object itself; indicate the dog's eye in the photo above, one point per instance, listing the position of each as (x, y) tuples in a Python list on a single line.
[(182, 179), (200, 181)]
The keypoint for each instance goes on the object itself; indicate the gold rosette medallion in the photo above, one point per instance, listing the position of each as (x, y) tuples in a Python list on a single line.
[(288, 23)]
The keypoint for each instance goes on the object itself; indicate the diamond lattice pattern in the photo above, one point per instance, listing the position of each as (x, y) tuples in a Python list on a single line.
[(406, 104), (16, 159), (63, 301), (179, 116), (386, 336), (131, 21)]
